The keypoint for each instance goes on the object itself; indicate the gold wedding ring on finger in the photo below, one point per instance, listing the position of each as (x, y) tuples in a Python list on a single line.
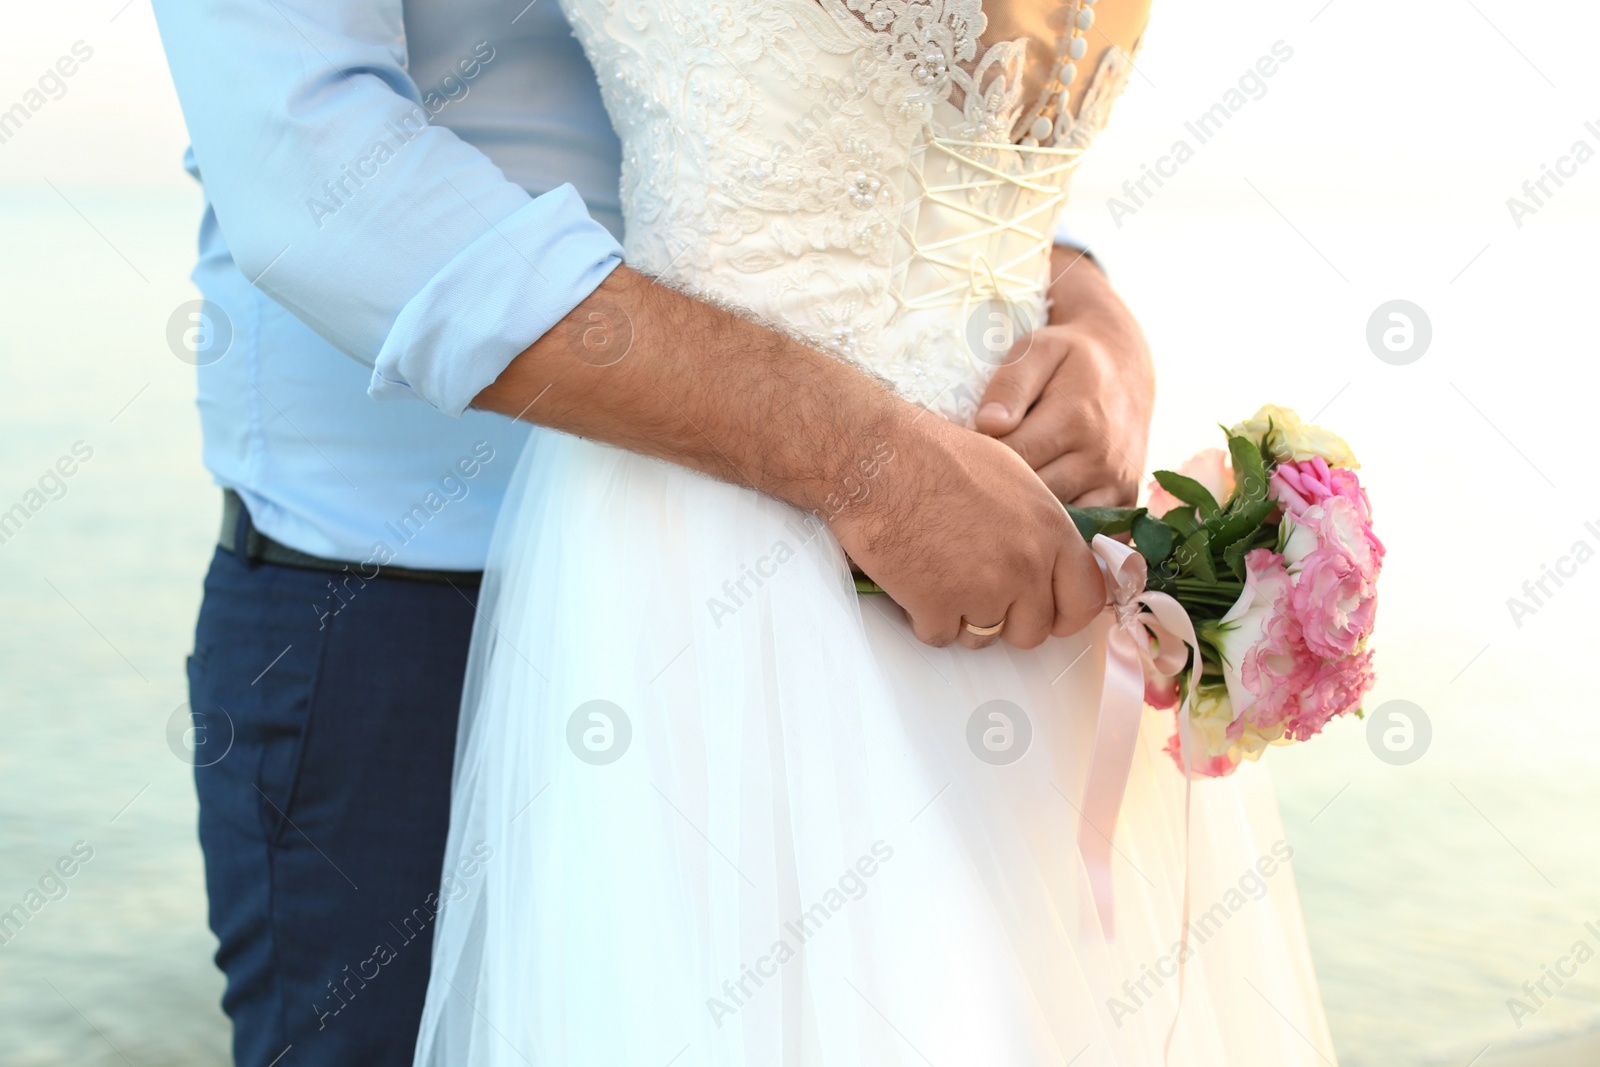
[(983, 631)]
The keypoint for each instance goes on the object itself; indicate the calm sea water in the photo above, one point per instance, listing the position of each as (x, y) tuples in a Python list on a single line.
[(1431, 891)]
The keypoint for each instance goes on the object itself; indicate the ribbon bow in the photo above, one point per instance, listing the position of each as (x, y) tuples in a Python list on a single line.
[(1150, 631)]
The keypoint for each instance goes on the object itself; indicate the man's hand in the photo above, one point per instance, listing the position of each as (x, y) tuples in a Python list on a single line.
[(1074, 399), (961, 531)]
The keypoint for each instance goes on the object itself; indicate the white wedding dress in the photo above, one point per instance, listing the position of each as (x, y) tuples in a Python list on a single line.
[(713, 807)]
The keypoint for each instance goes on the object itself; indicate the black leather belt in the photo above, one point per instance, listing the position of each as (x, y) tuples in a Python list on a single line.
[(240, 536)]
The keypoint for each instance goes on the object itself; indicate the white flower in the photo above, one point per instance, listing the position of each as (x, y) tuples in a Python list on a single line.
[(1258, 654)]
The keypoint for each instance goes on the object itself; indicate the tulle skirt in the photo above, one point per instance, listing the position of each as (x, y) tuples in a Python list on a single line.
[(713, 807)]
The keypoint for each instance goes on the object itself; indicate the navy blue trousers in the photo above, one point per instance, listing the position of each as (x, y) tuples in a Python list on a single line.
[(324, 736)]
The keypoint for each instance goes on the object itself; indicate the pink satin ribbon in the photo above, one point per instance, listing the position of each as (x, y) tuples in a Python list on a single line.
[(1150, 630)]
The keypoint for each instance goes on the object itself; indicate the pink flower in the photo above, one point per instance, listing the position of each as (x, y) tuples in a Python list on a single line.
[(1275, 669), (1336, 689), (1265, 661), (1334, 599), (1210, 468), (1160, 690), (1204, 766), (1307, 483), (1301, 486)]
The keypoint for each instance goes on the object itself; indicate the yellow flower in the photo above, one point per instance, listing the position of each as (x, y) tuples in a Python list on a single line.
[(1211, 713), (1289, 438)]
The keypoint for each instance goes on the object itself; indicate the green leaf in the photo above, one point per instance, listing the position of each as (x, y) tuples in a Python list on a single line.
[(1240, 526), (1108, 521), (1182, 520), (1190, 492), (1153, 538), (1194, 555), (1234, 555), (1249, 472)]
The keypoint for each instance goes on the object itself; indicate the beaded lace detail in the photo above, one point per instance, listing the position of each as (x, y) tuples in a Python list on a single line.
[(845, 170)]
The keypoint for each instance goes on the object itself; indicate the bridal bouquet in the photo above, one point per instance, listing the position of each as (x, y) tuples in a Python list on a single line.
[(1269, 549)]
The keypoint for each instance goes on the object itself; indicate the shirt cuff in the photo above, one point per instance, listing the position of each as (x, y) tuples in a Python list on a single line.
[(1065, 238), (495, 298)]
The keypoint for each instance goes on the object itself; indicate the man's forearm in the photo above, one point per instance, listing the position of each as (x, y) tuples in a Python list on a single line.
[(962, 530), (646, 368)]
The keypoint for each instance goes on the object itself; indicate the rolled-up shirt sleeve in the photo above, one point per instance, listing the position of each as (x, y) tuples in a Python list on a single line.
[(403, 246), (1065, 237)]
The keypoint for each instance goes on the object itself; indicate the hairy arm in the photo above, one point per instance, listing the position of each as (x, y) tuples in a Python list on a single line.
[(644, 367), (958, 528)]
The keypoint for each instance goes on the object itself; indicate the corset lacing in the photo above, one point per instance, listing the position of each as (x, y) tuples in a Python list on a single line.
[(977, 278)]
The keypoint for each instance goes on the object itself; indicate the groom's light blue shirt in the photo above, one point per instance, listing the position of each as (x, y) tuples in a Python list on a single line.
[(399, 199), (394, 209)]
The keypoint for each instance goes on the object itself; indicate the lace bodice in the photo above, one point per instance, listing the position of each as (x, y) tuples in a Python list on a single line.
[(865, 174)]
